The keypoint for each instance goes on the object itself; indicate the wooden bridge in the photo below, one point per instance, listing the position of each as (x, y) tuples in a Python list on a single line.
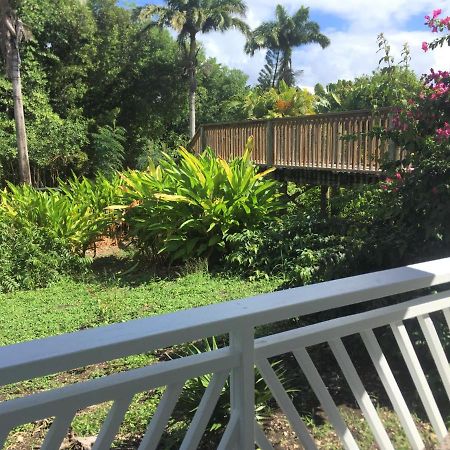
[(325, 149)]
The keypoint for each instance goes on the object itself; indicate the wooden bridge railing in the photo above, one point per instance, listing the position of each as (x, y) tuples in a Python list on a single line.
[(336, 141)]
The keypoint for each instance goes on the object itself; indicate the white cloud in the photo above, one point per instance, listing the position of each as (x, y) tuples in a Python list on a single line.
[(353, 47)]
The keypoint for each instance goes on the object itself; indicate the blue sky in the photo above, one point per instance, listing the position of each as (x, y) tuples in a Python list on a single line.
[(352, 25)]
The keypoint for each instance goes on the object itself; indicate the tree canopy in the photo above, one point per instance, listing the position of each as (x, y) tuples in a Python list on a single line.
[(280, 36), (190, 18), (98, 87)]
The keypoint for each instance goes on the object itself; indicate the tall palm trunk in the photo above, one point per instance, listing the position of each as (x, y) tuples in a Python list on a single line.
[(275, 79), (192, 84), (10, 34), (286, 73), (21, 133)]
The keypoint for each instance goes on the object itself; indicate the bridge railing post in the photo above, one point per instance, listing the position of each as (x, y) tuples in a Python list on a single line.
[(392, 150), (270, 155), (202, 138)]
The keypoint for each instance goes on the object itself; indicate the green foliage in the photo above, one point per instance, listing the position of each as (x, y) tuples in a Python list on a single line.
[(187, 208), (303, 246), (282, 102), (189, 18), (270, 76), (381, 89), (220, 93), (68, 305), (392, 84), (30, 258), (108, 148), (91, 68), (298, 250), (74, 214), (419, 182)]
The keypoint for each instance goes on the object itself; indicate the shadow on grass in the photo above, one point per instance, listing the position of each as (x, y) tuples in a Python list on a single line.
[(131, 270)]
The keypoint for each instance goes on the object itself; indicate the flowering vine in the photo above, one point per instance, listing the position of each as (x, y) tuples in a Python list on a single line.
[(436, 25)]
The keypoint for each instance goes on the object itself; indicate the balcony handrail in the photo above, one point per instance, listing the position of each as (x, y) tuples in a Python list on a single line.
[(47, 356)]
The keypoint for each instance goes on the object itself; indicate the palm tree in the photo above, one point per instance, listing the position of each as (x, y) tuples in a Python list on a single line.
[(191, 17), (12, 32), (281, 35)]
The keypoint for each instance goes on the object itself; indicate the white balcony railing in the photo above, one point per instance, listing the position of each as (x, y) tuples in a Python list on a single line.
[(239, 319)]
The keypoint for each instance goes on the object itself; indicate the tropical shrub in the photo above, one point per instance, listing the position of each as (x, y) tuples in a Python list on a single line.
[(282, 102), (74, 214), (419, 182), (108, 149), (30, 258), (301, 251), (391, 84), (188, 208), (303, 246)]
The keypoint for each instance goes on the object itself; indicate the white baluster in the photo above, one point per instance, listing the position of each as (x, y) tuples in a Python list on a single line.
[(286, 404), (112, 423), (361, 395), (242, 385), (438, 353), (391, 386), (419, 378), (204, 411), (161, 417), (321, 391)]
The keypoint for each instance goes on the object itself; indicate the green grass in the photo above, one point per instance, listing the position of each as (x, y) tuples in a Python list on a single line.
[(70, 306)]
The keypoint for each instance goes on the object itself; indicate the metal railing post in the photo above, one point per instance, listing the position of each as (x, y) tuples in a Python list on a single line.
[(242, 387)]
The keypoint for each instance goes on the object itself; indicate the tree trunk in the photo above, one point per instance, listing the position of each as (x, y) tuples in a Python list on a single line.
[(192, 119), (275, 80), (11, 32), (21, 134), (325, 201), (192, 84)]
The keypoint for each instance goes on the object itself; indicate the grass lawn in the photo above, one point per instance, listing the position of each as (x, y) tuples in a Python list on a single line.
[(70, 306)]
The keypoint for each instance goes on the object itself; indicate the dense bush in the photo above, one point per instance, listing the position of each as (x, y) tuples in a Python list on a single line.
[(30, 258), (187, 208), (418, 185), (303, 246), (299, 249), (75, 214), (284, 101)]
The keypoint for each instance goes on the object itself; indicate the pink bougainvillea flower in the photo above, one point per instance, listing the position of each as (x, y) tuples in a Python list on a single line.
[(425, 46), (444, 132), (436, 13), (389, 180), (398, 175)]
